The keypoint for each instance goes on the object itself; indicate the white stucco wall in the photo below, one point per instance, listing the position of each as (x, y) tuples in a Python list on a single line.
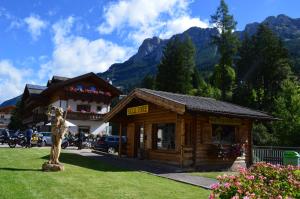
[(73, 105), (96, 127)]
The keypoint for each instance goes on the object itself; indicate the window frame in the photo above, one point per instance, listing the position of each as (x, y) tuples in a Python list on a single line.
[(223, 141), (155, 136)]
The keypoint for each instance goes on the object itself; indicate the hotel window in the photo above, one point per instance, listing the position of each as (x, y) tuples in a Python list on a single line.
[(79, 87), (164, 136), (223, 134), (84, 108), (99, 108)]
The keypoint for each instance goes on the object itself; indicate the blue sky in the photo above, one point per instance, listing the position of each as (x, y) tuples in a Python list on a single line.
[(71, 37)]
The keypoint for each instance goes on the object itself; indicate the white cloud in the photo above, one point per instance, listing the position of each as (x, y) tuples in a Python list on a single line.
[(12, 80), (35, 25), (144, 18), (181, 24), (75, 55)]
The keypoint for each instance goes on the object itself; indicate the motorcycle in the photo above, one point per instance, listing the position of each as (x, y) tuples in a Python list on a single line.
[(4, 136), (18, 139)]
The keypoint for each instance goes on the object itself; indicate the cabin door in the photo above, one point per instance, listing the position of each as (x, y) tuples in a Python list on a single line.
[(190, 138), (139, 140)]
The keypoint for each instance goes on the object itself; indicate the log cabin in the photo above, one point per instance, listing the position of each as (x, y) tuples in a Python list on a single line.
[(86, 97), (185, 130)]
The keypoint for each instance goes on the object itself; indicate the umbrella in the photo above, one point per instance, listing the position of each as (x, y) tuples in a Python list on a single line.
[(69, 124)]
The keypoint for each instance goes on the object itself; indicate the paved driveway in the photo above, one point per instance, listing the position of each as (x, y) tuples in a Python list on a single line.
[(151, 167)]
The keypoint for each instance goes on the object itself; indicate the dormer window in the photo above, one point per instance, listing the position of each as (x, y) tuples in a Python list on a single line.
[(79, 87)]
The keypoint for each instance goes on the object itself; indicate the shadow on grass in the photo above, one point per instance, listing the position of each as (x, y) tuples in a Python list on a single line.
[(86, 162), (18, 169)]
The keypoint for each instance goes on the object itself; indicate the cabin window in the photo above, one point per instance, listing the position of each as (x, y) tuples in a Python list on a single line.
[(164, 136), (84, 108), (223, 134)]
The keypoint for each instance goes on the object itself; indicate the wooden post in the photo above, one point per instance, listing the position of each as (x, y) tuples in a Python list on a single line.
[(181, 131), (250, 143), (120, 140)]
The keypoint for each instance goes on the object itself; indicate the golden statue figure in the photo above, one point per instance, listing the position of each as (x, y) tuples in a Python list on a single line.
[(58, 130)]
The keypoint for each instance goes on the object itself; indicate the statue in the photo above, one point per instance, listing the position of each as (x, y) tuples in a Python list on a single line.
[(58, 130)]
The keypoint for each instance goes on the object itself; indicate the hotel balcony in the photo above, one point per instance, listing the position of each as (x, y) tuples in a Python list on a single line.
[(87, 96), (85, 116)]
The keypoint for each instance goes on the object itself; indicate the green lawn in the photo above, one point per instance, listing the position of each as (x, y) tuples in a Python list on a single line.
[(213, 174), (84, 178)]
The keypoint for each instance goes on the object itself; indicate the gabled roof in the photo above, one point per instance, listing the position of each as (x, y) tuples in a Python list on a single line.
[(68, 81), (182, 103), (56, 79), (35, 88)]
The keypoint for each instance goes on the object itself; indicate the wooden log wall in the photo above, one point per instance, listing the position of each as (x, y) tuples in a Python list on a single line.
[(206, 154)]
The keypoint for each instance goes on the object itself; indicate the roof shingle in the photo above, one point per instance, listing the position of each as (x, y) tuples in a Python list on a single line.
[(209, 105)]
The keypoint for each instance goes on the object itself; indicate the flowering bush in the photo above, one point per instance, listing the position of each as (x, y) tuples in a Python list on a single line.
[(262, 180)]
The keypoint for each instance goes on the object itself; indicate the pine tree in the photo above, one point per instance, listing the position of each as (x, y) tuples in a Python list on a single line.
[(264, 64), (148, 82), (227, 43), (16, 122), (177, 66)]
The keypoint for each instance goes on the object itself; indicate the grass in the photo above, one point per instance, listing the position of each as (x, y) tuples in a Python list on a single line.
[(21, 177), (213, 175)]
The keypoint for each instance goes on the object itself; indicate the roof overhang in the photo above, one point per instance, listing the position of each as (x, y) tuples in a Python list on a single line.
[(139, 94)]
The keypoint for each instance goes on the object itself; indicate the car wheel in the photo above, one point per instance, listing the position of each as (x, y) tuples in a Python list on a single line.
[(111, 150)]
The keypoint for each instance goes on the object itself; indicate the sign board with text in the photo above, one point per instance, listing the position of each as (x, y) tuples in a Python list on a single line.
[(138, 110)]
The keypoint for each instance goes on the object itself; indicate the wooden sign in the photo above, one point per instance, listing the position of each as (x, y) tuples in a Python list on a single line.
[(137, 110), (225, 121)]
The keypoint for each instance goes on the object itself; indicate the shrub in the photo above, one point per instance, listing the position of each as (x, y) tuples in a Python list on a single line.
[(262, 180)]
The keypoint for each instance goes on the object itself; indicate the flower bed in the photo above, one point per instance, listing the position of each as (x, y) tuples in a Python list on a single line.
[(262, 180)]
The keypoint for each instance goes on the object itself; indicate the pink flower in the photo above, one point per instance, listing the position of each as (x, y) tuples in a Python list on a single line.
[(235, 197), (246, 197), (227, 185), (279, 197), (215, 186), (212, 196), (250, 177)]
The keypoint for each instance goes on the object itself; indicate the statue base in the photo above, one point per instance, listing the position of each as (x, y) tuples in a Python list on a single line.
[(240, 162), (52, 167)]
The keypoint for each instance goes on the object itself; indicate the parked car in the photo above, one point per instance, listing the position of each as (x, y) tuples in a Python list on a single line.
[(109, 143), (47, 140)]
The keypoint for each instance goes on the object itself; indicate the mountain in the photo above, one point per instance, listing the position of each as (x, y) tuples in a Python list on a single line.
[(149, 54), (11, 102), (131, 72)]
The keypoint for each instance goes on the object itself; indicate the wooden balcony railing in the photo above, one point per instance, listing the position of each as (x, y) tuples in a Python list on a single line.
[(87, 96), (85, 116)]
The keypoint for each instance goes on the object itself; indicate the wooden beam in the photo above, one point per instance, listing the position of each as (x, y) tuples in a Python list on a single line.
[(120, 140)]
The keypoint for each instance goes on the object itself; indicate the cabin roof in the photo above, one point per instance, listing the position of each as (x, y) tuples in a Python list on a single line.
[(191, 103), (206, 104)]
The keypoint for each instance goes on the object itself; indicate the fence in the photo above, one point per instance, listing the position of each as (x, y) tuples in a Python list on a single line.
[(271, 154)]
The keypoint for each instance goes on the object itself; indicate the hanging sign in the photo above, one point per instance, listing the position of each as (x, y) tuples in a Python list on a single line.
[(225, 121), (137, 110)]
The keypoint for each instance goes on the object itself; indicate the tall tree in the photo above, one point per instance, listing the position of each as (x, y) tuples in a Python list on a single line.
[(148, 82), (264, 64), (287, 108), (17, 117), (177, 66), (227, 44)]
